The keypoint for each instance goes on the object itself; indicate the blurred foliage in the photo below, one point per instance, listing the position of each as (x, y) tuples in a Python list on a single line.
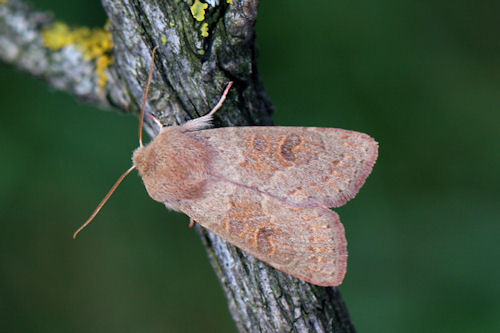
[(422, 77)]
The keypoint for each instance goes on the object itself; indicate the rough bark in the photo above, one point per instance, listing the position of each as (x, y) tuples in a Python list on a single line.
[(191, 71)]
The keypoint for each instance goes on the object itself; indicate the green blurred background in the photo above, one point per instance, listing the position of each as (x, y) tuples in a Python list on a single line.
[(422, 77)]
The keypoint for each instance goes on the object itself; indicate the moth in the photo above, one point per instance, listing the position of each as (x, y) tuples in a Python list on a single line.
[(266, 190)]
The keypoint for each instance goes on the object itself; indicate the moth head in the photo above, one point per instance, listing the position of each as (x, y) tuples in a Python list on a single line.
[(173, 166)]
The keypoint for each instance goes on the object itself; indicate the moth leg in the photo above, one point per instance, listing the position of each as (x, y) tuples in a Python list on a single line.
[(191, 222), (157, 122), (205, 121)]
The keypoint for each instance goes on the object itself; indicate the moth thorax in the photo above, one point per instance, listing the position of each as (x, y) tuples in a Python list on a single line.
[(173, 166)]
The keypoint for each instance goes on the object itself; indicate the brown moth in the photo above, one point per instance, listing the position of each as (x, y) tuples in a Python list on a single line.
[(266, 190)]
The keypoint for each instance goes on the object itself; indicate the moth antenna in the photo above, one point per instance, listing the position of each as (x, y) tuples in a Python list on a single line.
[(205, 121), (146, 91), (103, 202)]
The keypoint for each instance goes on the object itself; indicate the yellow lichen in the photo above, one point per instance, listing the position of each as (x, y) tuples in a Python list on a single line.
[(172, 24), (95, 44), (57, 36), (164, 40), (198, 10), (103, 62), (230, 2), (3, 2), (204, 30)]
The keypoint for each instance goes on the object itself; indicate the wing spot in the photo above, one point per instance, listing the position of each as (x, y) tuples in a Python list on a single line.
[(330, 182), (318, 250), (346, 167), (298, 194), (287, 147), (264, 239), (337, 174), (317, 239), (314, 269), (241, 214), (317, 188), (350, 157), (259, 143), (257, 156), (308, 217), (316, 228), (319, 260), (349, 144)]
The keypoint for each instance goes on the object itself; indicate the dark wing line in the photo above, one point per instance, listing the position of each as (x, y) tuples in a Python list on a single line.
[(288, 202)]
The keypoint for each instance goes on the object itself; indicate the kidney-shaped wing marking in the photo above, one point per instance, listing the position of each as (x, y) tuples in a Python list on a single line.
[(304, 165), (305, 242)]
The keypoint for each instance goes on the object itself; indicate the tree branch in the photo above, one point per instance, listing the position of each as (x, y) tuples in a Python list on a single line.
[(21, 44), (191, 71)]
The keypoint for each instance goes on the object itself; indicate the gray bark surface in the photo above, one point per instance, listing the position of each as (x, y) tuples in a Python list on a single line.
[(190, 74)]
